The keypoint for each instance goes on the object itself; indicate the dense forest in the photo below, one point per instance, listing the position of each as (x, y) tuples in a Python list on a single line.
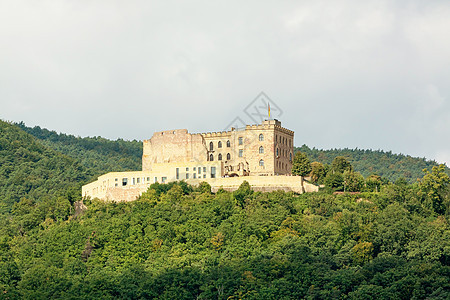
[(384, 240), (98, 154), (368, 162)]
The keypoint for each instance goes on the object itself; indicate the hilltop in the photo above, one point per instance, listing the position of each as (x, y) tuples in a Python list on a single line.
[(184, 242), (101, 155), (386, 164)]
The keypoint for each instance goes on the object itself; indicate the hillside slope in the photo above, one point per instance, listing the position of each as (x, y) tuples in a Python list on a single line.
[(386, 164), (31, 170), (98, 154)]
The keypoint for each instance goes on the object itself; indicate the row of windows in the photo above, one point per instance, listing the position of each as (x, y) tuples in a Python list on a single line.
[(219, 145), (283, 140), (240, 142), (219, 157), (284, 153), (196, 172), (282, 165), (134, 181)]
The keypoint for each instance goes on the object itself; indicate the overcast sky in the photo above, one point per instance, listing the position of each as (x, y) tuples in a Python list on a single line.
[(365, 74)]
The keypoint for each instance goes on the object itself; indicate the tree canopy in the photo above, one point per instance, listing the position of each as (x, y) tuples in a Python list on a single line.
[(378, 240)]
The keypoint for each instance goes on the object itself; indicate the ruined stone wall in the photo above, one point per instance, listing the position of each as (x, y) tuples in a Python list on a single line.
[(173, 146)]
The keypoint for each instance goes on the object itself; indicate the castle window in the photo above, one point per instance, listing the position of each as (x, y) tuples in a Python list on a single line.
[(163, 179), (187, 175), (134, 181), (116, 184), (194, 176), (138, 180), (219, 145), (241, 153), (204, 175), (211, 146), (261, 149), (204, 169), (156, 179), (228, 156), (148, 179), (261, 163), (220, 156), (199, 170), (228, 144), (178, 173), (277, 152), (213, 172), (187, 169), (240, 140), (211, 157), (261, 137), (124, 181), (194, 169)]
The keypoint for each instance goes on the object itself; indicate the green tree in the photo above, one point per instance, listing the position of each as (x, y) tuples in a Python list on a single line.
[(373, 183), (301, 165), (318, 172), (434, 189), (353, 181), (340, 164), (334, 181)]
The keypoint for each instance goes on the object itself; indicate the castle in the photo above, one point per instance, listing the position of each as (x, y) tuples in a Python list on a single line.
[(260, 154)]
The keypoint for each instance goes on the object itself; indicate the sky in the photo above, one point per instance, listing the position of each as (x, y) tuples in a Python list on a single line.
[(356, 74)]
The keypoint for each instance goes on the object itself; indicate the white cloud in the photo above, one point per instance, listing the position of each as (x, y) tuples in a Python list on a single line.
[(367, 74)]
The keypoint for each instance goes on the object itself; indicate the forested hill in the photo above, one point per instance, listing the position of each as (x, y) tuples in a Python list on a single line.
[(385, 164), (33, 172), (98, 154)]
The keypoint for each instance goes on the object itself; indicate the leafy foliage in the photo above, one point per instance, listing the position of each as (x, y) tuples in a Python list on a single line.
[(301, 165), (98, 154), (390, 241), (368, 162), (33, 172)]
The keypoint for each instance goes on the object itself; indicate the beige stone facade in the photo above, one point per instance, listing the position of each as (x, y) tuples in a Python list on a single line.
[(264, 149), (261, 154)]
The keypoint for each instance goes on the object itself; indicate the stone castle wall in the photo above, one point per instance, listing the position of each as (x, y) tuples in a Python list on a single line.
[(261, 154), (258, 183)]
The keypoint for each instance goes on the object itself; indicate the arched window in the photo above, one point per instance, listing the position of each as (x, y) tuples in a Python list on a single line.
[(219, 157), (261, 137), (211, 146), (261, 149), (211, 157), (261, 163), (219, 145), (228, 156), (290, 156), (228, 144), (277, 152)]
